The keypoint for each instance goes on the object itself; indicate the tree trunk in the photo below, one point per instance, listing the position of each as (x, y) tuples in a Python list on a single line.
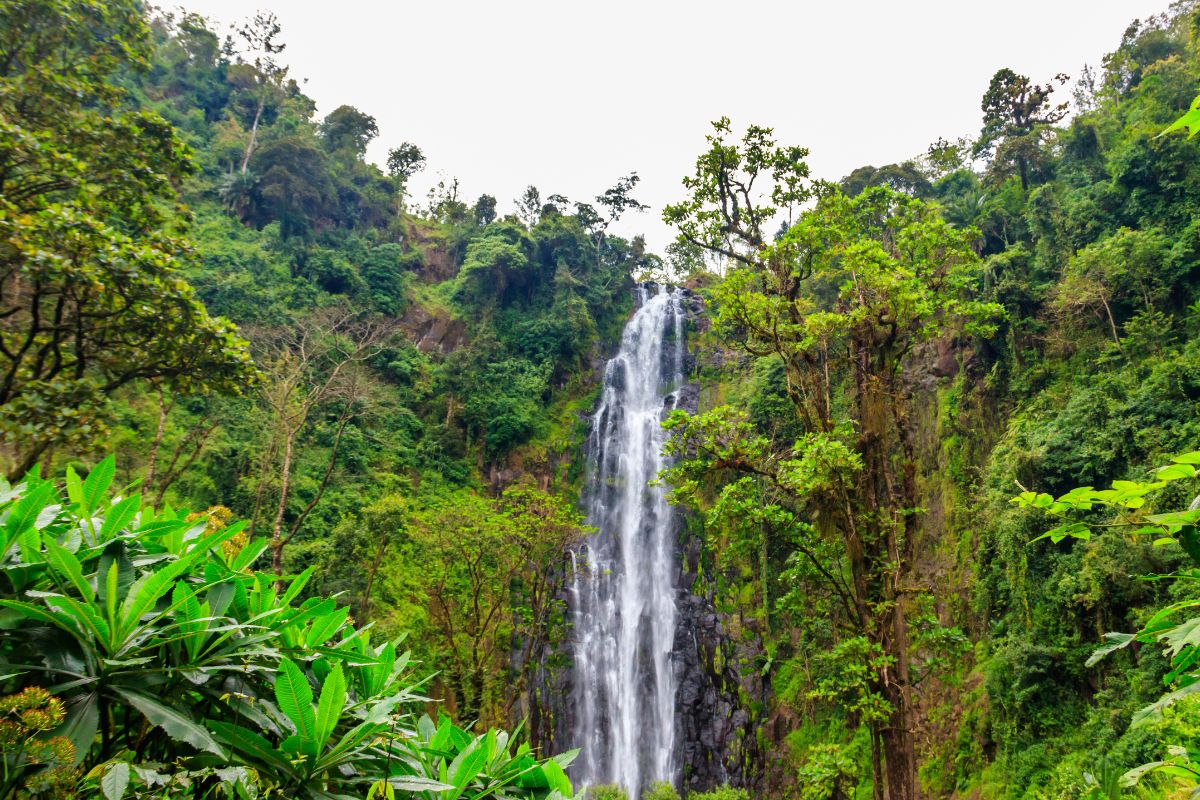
[(27, 462), (899, 754), (285, 484), (364, 605), (877, 783), (1112, 323), (158, 437), (262, 102)]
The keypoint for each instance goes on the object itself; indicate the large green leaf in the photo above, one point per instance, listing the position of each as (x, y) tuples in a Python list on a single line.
[(415, 783), (465, 768), (176, 724), (74, 487), (1115, 642), (296, 586), (295, 699), (557, 778), (115, 781), (97, 483), (23, 515), (86, 617), (1154, 711), (1190, 120), (119, 515), (250, 746), (68, 567), (115, 554), (79, 728), (331, 705), (324, 627), (30, 611), (1185, 634)]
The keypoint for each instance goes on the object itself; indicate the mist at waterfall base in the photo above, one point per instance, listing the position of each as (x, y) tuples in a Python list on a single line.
[(623, 588)]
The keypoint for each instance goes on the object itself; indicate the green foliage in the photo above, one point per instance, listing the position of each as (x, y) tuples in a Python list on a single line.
[(842, 299), (1016, 112), (720, 793), (719, 208), (139, 620), (92, 233), (827, 773), (660, 790), (478, 566)]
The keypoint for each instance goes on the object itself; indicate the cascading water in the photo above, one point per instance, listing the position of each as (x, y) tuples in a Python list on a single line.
[(623, 588)]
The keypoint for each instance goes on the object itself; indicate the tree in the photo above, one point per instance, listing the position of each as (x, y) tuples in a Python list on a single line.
[(1015, 111), (402, 163), (485, 210), (725, 212), (91, 293), (347, 128), (545, 528), (262, 80), (305, 366), (906, 177), (496, 263), (529, 206), (1128, 267), (294, 187), (842, 299), (615, 201), (405, 161), (487, 574)]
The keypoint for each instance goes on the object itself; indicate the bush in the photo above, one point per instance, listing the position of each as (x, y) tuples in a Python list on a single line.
[(720, 793), (660, 790), (606, 791), (160, 648)]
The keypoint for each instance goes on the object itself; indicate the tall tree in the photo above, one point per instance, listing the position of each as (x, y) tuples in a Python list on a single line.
[(263, 77), (307, 365), (485, 210), (402, 163), (91, 295), (1015, 112), (616, 201), (483, 577), (347, 128), (841, 300), (529, 206)]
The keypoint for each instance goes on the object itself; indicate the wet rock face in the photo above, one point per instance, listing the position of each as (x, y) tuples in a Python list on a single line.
[(718, 734)]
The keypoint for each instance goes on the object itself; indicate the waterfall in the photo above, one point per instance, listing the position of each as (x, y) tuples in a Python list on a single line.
[(623, 586)]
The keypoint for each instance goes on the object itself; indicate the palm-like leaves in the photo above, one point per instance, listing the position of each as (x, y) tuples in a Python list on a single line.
[(146, 622)]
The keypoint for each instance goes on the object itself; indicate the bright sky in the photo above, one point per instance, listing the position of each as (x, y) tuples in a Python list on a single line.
[(569, 95)]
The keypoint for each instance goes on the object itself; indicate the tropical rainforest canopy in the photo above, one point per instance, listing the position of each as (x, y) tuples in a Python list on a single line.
[(294, 457)]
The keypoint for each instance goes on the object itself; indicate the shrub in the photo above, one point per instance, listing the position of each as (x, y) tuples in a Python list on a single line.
[(660, 790), (720, 793), (167, 660)]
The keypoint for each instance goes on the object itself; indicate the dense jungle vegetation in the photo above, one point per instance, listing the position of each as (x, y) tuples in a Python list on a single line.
[(293, 457)]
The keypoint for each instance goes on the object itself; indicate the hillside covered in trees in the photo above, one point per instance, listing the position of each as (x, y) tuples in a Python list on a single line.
[(295, 458)]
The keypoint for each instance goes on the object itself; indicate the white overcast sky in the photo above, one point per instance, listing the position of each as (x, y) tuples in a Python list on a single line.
[(568, 95)]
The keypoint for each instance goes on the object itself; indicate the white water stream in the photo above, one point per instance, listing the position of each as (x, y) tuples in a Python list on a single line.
[(624, 578)]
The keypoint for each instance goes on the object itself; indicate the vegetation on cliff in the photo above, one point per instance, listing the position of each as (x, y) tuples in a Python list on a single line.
[(942, 473)]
